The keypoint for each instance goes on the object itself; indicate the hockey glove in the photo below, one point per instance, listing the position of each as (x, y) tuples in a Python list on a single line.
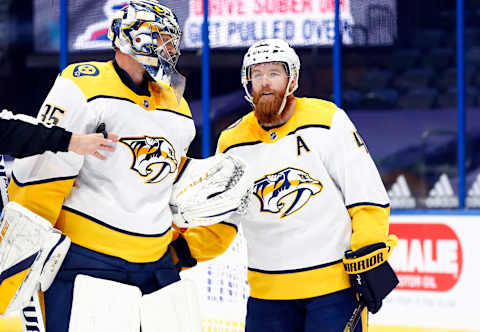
[(210, 190), (371, 277), (182, 257)]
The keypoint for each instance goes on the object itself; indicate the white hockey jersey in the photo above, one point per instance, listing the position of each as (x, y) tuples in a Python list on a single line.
[(317, 193), (119, 206)]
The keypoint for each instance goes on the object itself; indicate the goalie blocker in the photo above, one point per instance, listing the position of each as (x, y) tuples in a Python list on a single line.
[(208, 191), (31, 252)]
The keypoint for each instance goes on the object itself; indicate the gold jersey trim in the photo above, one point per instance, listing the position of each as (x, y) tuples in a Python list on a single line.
[(298, 285), (104, 82), (92, 235), (369, 223), (42, 197), (308, 113)]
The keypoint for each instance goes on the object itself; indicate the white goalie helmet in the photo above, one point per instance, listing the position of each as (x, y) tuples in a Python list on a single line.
[(271, 50), (149, 32)]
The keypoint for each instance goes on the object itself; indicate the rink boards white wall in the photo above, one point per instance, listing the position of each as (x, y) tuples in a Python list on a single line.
[(436, 260)]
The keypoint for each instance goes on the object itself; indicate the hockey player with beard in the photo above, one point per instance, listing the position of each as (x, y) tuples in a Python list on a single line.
[(110, 222), (317, 225)]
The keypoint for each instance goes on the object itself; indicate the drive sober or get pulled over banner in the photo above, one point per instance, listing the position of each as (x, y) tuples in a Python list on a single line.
[(232, 23), (239, 23)]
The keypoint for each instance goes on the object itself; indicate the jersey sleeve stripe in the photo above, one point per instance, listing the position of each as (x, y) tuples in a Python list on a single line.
[(368, 204)]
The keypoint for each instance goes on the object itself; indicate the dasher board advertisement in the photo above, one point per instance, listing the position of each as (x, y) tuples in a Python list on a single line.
[(436, 261)]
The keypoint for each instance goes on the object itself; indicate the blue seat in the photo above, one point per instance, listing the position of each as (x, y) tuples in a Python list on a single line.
[(380, 99), (414, 78), (449, 98), (418, 98)]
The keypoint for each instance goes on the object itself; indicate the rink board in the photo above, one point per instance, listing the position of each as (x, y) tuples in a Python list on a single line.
[(435, 259)]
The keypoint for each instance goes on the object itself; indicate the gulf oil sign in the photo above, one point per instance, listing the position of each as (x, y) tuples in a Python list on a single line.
[(428, 257)]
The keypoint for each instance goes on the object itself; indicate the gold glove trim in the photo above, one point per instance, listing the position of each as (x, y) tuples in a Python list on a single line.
[(372, 260)]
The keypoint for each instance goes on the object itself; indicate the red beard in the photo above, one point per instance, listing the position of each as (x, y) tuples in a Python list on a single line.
[(266, 107)]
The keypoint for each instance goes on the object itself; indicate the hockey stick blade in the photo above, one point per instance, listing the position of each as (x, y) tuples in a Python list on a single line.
[(352, 322)]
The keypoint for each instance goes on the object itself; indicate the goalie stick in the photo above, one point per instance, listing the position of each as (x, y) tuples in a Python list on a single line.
[(352, 322)]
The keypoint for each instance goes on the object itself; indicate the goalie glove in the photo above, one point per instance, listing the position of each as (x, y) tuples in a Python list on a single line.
[(210, 190), (31, 252), (371, 277)]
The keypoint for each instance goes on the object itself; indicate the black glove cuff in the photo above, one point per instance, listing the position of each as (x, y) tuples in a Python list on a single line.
[(185, 258)]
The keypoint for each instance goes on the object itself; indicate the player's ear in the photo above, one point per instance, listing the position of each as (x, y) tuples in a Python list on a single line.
[(292, 86)]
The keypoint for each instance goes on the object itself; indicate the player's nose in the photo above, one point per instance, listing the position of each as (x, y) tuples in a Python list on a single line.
[(266, 82), (171, 49)]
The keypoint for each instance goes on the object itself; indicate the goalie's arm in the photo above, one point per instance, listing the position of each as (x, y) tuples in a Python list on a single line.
[(208, 242), (208, 191), (203, 242), (204, 197)]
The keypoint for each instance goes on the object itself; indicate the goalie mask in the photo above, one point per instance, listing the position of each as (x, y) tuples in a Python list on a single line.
[(150, 33), (271, 50)]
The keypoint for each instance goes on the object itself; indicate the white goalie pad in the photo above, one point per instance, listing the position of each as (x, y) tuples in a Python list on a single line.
[(174, 308), (32, 316), (210, 190), (31, 252), (101, 305)]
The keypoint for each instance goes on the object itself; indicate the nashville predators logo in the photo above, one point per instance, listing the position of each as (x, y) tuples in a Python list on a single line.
[(273, 189), (85, 70), (153, 157)]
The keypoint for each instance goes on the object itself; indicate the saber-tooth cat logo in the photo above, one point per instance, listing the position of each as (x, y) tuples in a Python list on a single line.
[(153, 157), (273, 189)]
